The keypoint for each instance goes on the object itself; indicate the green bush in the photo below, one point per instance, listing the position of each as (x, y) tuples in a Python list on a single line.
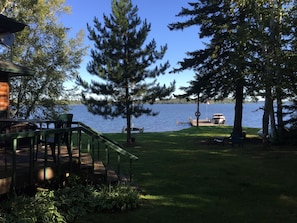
[(66, 204), (120, 198), (24, 209), (75, 201)]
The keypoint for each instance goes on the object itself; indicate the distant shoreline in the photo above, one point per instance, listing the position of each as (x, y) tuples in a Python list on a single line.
[(181, 101)]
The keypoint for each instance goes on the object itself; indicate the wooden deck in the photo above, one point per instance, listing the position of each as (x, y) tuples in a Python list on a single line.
[(38, 171), (21, 167), (35, 168)]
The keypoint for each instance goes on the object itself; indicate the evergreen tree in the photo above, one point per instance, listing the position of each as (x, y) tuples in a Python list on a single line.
[(251, 51), (223, 68), (275, 41), (123, 61), (42, 46)]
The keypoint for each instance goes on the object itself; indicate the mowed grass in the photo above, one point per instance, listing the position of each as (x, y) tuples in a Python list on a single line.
[(184, 177)]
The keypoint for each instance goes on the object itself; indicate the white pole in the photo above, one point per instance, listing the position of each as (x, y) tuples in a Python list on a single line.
[(206, 110)]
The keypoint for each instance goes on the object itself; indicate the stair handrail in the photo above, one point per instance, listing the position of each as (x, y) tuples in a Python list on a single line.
[(111, 143), (90, 131)]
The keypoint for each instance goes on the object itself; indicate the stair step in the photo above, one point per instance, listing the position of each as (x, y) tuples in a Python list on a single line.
[(124, 179), (112, 176), (99, 168), (75, 152), (86, 159)]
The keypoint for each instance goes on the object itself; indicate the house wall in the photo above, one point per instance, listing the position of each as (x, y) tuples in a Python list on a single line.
[(4, 96)]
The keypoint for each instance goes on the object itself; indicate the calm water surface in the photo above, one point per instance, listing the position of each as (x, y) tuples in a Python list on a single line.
[(171, 117)]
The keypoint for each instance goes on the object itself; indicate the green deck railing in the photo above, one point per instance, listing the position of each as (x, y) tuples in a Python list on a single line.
[(111, 146), (83, 138)]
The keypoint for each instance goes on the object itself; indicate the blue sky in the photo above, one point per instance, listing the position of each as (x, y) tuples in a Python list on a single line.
[(159, 13)]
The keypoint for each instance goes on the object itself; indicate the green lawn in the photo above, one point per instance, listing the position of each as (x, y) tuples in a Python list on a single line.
[(184, 177)]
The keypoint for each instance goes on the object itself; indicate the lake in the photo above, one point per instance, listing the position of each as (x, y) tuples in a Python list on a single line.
[(171, 117)]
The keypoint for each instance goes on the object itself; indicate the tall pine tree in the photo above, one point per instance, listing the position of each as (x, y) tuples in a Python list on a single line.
[(123, 61)]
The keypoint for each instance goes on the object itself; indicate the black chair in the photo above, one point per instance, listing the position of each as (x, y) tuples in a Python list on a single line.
[(63, 121)]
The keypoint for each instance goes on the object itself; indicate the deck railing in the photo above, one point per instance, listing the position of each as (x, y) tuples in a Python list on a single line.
[(111, 146), (83, 138)]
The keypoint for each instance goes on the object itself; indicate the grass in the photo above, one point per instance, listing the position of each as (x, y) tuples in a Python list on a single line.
[(184, 177)]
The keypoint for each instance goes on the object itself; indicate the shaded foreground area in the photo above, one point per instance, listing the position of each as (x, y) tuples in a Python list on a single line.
[(185, 177)]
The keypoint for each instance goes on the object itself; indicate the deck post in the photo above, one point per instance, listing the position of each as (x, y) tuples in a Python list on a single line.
[(93, 152), (45, 158), (98, 146), (31, 158), (107, 154), (119, 161), (58, 160), (14, 147), (69, 147), (130, 171), (79, 146)]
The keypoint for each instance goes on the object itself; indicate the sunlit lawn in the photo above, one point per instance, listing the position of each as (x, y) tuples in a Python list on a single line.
[(184, 177)]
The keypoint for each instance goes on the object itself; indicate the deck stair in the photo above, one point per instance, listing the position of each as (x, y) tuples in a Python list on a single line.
[(100, 172)]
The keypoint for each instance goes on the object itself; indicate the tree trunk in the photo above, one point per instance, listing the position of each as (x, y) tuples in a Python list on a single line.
[(270, 53), (129, 141), (280, 121), (266, 114), (237, 127), (128, 119), (272, 122), (279, 111)]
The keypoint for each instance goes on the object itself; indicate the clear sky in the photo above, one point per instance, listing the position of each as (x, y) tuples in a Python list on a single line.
[(159, 13)]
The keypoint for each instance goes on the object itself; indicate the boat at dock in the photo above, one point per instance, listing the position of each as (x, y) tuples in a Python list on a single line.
[(218, 118)]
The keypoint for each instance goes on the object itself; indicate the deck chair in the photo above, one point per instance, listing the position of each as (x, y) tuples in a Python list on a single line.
[(63, 121)]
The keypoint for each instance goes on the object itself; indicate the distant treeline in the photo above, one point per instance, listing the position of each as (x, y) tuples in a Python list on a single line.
[(171, 101), (190, 101)]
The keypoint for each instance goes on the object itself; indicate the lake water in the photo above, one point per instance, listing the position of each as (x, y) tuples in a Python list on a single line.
[(170, 117)]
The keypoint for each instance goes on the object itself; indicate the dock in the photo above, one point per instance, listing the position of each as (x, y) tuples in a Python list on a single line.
[(203, 122)]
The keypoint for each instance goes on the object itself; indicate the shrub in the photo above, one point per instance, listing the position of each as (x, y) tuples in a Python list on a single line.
[(66, 204), (75, 201), (120, 198), (24, 209)]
